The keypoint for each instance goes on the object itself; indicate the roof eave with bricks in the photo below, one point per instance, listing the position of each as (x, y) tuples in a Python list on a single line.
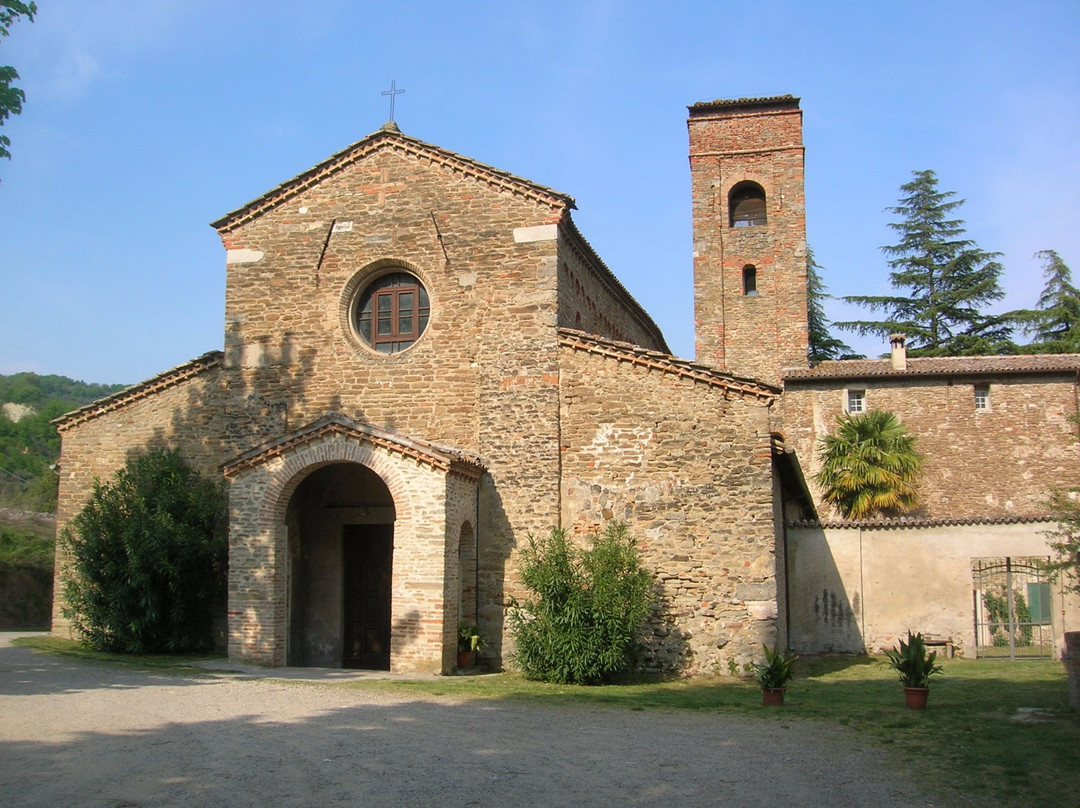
[(666, 363), (136, 392), (908, 522), (579, 243), (439, 457), (1027, 364), (392, 138)]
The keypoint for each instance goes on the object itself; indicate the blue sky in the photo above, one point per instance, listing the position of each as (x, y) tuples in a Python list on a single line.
[(147, 119)]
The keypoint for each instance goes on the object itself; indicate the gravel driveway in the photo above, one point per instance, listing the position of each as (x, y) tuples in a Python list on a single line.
[(74, 734)]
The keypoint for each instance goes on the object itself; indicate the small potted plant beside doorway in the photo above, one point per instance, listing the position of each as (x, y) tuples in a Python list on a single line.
[(915, 667), (774, 675), (469, 641)]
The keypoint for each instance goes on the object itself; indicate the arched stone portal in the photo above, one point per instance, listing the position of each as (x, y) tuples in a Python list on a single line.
[(341, 538), (284, 539)]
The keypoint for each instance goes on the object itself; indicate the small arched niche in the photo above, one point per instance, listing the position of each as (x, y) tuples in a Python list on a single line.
[(746, 205), (749, 280)]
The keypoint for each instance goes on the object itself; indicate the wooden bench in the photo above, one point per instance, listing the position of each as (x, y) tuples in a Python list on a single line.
[(945, 644)]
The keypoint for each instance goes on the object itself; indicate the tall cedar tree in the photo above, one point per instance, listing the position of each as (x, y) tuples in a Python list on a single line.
[(821, 344), (944, 278), (1055, 322), (11, 98)]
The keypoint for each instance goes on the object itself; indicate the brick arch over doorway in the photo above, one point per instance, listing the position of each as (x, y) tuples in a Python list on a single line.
[(426, 484)]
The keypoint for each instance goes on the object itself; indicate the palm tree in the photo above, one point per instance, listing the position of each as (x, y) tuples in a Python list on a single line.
[(870, 466)]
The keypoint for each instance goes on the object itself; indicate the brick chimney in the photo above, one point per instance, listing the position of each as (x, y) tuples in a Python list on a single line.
[(899, 351)]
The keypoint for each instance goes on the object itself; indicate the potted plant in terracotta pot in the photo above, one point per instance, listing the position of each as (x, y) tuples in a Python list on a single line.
[(469, 641), (774, 675), (915, 667)]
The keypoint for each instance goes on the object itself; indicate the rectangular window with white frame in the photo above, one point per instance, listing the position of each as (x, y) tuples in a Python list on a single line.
[(856, 401), (982, 397)]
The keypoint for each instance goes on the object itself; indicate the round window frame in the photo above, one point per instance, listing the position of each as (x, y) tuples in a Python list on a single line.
[(360, 283)]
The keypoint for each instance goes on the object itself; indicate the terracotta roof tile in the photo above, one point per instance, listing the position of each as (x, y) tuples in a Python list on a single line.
[(938, 366), (666, 363), (138, 391), (392, 138), (910, 522), (434, 455), (722, 103)]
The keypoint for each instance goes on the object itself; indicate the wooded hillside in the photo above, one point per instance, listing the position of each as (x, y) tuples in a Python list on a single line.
[(29, 443)]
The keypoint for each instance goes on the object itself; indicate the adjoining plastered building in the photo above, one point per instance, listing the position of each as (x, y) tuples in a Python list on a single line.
[(425, 363), (998, 434)]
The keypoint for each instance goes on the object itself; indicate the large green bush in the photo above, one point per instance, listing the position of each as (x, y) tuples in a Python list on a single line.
[(581, 622), (148, 558)]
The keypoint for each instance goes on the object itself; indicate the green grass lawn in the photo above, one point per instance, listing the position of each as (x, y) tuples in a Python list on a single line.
[(968, 745)]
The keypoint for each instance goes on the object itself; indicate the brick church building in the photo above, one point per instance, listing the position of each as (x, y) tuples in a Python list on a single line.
[(425, 363)]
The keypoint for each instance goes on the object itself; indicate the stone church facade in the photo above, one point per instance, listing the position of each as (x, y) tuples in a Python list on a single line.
[(425, 363)]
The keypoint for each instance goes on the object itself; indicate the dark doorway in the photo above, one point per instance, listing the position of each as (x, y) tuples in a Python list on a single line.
[(333, 501), (368, 553)]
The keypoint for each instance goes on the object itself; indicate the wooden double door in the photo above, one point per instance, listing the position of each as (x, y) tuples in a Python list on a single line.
[(368, 556)]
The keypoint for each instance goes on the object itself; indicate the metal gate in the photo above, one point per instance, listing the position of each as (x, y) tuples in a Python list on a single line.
[(1013, 614)]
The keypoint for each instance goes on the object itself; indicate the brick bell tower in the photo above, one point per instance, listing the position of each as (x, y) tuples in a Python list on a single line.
[(749, 211)]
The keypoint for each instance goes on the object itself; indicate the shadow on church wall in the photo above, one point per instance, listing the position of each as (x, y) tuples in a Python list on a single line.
[(495, 544), (825, 613), (664, 648)]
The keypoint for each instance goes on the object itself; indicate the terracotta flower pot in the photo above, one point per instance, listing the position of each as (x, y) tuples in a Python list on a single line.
[(772, 696), (464, 659), (915, 697)]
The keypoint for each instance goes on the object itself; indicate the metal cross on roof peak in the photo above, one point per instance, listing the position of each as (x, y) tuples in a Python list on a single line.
[(392, 92)]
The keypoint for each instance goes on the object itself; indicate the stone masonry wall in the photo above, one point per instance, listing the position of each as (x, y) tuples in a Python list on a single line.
[(181, 409), (484, 376), (978, 463), (753, 335), (590, 301), (687, 467)]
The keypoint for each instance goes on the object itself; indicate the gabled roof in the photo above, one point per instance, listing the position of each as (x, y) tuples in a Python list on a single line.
[(938, 366), (390, 137), (180, 373), (433, 455), (666, 363)]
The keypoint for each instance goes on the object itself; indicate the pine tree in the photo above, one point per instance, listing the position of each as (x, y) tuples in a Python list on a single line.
[(944, 279), (821, 344), (1055, 321)]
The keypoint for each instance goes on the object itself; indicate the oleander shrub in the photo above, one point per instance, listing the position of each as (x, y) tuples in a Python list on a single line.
[(582, 619), (148, 558)]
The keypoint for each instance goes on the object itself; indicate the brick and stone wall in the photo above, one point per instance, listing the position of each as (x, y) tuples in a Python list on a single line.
[(1003, 460), (685, 462), (592, 300), (756, 140), (483, 377)]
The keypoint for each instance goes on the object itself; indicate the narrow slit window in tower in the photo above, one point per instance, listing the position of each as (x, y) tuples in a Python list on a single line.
[(749, 280)]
